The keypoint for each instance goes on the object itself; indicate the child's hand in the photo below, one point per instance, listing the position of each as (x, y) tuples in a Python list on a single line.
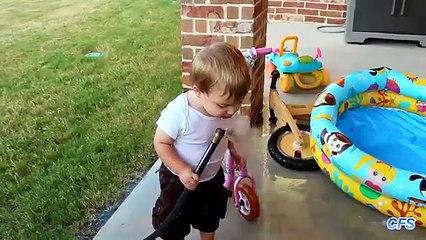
[(236, 150), (188, 178), (241, 162)]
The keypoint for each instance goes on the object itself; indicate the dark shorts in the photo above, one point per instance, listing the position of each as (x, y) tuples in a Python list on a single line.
[(205, 207)]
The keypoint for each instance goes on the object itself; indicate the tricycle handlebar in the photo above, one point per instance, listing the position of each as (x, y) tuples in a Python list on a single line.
[(252, 54), (262, 51)]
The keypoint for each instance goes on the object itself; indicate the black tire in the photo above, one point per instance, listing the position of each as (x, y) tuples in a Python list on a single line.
[(295, 163)]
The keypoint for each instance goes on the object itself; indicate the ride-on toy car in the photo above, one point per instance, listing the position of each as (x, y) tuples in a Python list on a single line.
[(307, 72)]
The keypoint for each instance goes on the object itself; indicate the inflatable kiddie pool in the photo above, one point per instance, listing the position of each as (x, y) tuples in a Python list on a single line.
[(368, 135)]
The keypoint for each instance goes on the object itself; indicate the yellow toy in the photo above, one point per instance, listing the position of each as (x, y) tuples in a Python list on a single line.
[(307, 72)]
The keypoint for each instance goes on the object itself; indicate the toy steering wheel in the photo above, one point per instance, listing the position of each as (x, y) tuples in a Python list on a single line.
[(282, 44)]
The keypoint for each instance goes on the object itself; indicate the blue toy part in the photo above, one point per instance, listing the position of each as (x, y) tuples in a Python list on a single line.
[(291, 63), (93, 55)]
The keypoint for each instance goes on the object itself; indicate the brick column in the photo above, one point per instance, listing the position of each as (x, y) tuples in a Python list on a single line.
[(256, 98), (239, 22)]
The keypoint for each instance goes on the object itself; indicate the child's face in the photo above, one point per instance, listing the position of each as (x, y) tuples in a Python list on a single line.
[(218, 105)]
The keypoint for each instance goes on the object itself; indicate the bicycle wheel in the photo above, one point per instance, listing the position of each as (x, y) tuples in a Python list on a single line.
[(280, 147), (249, 202)]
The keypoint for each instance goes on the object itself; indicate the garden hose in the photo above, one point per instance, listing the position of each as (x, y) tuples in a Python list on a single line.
[(174, 214), (336, 28)]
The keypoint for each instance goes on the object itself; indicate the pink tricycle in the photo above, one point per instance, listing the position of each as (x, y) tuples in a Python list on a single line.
[(244, 195)]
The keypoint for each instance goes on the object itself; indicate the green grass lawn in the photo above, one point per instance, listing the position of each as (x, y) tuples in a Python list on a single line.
[(74, 131)]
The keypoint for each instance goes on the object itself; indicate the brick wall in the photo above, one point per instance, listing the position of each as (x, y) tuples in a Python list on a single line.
[(313, 11), (239, 22), (243, 24)]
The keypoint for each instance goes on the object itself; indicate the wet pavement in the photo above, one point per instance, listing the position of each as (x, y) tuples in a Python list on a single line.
[(293, 204)]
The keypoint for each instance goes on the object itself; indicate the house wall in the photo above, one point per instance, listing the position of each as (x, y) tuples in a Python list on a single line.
[(310, 11)]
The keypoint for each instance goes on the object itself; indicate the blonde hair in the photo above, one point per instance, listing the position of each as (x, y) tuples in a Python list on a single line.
[(223, 65)]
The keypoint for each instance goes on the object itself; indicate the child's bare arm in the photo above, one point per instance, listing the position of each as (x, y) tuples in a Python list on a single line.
[(163, 145), (237, 149)]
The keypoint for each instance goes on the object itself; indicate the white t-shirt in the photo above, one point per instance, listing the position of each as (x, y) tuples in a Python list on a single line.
[(193, 133)]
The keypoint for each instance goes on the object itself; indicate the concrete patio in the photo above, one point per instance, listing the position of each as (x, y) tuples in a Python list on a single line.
[(294, 205)]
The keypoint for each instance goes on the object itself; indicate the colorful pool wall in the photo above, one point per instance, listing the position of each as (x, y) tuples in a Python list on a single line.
[(390, 190)]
